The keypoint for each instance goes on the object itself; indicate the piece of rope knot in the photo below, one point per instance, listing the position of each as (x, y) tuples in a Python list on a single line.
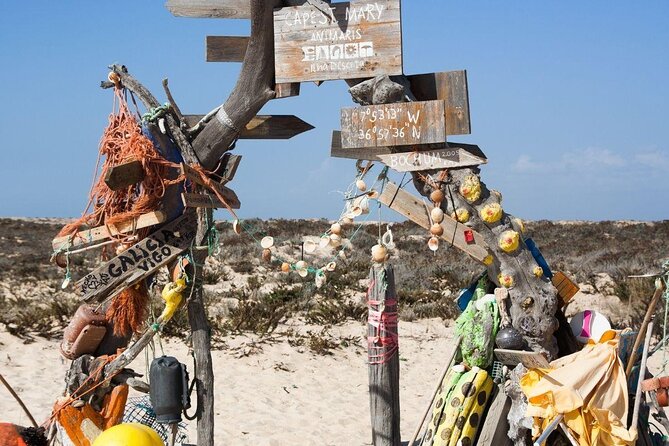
[(114, 78), (156, 113)]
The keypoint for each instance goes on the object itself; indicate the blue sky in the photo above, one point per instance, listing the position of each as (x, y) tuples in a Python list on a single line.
[(569, 100)]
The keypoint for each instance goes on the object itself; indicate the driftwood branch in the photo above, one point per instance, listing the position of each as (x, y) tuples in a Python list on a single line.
[(255, 87)]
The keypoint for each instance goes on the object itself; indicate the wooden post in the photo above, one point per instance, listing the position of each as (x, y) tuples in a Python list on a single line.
[(384, 361)]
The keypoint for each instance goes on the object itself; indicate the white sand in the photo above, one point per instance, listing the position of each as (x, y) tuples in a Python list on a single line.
[(321, 400)]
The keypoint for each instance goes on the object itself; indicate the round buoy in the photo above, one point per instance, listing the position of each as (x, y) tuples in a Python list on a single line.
[(129, 434)]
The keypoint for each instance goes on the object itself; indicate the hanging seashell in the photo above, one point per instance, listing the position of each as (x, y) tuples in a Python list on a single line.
[(320, 279), (360, 184), (437, 215), (509, 241), (346, 244), (461, 215), (491, 213), (60, 259), (362, 203), (433, 243), (335, 240), (356, 211), (387, 239), (324, 242), (302, 268), (267, 242), (437, 230), (437, 196), (237, 227), (285, 267), (379, 253), (471, 188), (330, 267), (342, 254), (373, 194), (267, 255), (309, 246), (346, 222), (65, 283), (335, 228)]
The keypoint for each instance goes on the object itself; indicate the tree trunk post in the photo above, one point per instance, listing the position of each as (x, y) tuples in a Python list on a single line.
[(384, 360)]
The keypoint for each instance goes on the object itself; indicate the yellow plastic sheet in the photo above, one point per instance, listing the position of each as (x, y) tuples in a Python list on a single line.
[(589, 387)]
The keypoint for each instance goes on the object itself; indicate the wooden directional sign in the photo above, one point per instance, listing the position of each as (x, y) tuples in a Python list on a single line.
[(140, 261), (450, 87), (468, 154), (398, 124), (365, 41), (226, 48), (448, 158), (414, 209), (90, 236), (216, 9), (211, 201), (267, 126)]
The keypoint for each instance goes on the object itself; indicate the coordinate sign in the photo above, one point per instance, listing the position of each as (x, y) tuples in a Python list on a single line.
[(400, 124), (364, 41)]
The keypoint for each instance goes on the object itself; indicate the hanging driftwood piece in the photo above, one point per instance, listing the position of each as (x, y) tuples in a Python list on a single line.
[(364, 40), (384, 361)]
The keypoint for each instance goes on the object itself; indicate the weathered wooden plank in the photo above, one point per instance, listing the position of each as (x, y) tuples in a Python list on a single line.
[(450, 87), (566, 288), (267, 126), (228, 168), (365, 41), (398, 124), (209, 201), (226, 48), (287, 90), (228, 194), (414, 209), (215, 9), (495, 425), (139, 261), (531, 360), (449, 158), (90, 236), (376, 153), (124, 175)]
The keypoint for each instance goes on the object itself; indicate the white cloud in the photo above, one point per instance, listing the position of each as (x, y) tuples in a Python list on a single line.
[(654, 159), (592, 157), (524, 163)]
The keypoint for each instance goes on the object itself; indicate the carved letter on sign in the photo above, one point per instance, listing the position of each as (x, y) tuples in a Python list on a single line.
[(365, 41)]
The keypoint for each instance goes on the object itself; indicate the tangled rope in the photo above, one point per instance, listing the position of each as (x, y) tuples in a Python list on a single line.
[(123, 141)]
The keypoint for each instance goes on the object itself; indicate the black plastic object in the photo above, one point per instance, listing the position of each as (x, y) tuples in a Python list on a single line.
[(509, 338), (168, 389)]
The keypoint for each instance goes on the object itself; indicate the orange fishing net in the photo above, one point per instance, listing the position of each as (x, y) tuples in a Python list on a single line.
[(122, 142), (129, 310)]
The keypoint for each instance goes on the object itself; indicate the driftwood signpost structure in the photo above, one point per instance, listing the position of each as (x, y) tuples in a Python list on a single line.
[(402, 121)]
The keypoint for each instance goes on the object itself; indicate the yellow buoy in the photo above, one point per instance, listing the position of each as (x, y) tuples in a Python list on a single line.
[(129, 434)]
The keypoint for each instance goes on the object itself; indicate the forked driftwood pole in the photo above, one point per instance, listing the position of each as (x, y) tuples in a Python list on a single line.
[(384, 360)]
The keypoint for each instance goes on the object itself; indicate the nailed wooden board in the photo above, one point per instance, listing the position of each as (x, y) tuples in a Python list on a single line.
[(228, 167), (494, 428), (365, 41), (217, 9), (267, 126), (449, 158), (566, 288), (90, 236), (226, 48), (287, 90), (228, 194), (208, 201), (531, 360), (124, 175), (412, 208), (450, 87), (380, 153), (139, 261), (398, 124)]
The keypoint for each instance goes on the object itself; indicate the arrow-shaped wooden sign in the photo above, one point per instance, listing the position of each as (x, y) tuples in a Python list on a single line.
[(434, 156), (414, 209), (212, 9), (267, 126)]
